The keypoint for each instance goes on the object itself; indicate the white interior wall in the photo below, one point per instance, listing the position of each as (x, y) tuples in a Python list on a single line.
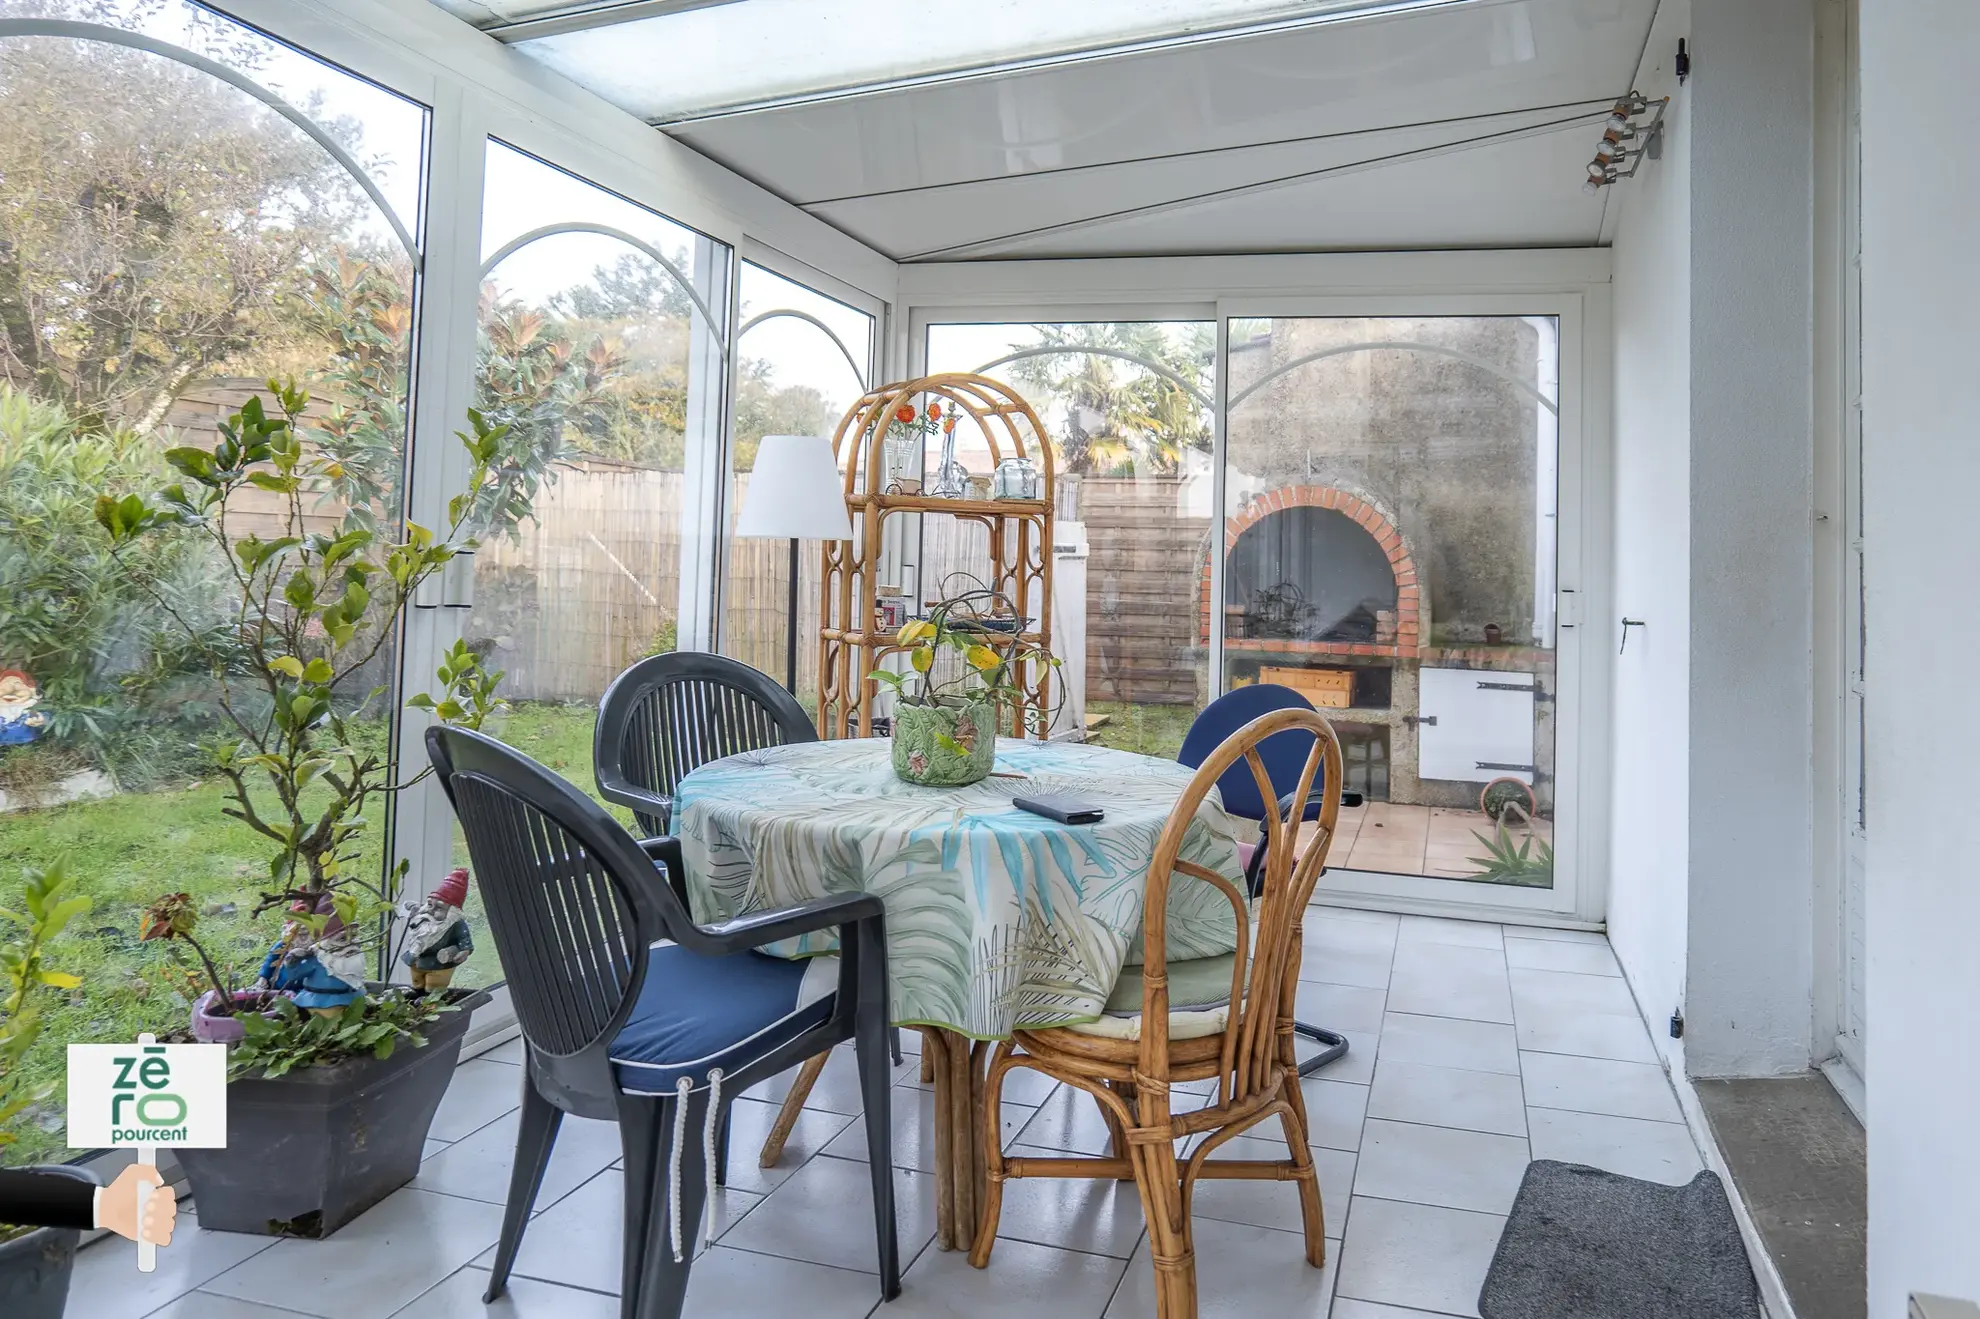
[(1711, 870), (1921, 328), (1749, 917), (1650, 782)]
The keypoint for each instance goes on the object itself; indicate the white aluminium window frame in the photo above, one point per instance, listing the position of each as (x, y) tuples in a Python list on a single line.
[(1571, 285)]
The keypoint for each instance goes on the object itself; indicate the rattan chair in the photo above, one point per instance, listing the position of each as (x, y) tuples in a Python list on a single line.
[(632, 1012), (1282, 756), (1225, 1019)]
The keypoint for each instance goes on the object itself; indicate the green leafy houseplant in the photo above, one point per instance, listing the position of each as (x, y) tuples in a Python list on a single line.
[(24, 976), (1529, 862), (288, 1038), (946, 716), (309, 611)]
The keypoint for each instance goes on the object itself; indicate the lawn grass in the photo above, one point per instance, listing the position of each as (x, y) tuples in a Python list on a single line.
[(1151, 730), (126, 851)]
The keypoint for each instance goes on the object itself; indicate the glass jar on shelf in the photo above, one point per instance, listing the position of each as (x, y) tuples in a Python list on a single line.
[(1015, 478)]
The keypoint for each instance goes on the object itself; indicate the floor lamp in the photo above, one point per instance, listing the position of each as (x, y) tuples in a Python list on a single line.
[(796, 492)]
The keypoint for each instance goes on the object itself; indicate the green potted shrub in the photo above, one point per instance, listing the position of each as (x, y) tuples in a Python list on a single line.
[(35, 1263), (334, 1077), (945, 728), (1527, 863)]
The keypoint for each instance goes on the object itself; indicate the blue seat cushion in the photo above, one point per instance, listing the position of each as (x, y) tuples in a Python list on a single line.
[(698, 1013)]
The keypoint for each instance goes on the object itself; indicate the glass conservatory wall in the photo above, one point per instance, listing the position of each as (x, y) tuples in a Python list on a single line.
[(802, 360), (187, 209), (190, 205), (1128, 405)]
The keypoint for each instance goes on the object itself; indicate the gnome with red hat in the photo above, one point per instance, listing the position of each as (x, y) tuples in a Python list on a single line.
[(437, 938)]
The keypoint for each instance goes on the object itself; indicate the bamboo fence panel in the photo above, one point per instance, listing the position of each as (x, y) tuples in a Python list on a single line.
[(593, 583), (1143, 591), (586, 586)]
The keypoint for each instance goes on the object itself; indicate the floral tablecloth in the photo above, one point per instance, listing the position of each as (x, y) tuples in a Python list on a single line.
[(996, 918)]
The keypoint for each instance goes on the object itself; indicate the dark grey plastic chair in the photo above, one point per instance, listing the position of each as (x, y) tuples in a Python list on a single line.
[(669, 714), (622, 1026)]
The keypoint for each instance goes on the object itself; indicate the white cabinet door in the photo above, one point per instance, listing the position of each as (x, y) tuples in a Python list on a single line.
[(1474, 726)]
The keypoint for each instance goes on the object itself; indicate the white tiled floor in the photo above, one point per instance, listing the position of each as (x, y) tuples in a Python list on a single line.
[(1475, 1047)]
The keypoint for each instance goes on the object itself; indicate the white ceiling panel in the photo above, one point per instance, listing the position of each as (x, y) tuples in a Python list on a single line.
[(1461, 200), (699, 57), (1419, 129), (1455, 62), (485, 13), (1260, 181)]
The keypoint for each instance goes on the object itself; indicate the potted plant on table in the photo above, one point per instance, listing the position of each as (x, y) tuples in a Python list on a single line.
[(946, 715), (35, 1263), (334, 1078)]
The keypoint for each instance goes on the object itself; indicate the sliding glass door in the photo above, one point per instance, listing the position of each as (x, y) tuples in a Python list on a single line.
[(1390, 541), (1377, 523)]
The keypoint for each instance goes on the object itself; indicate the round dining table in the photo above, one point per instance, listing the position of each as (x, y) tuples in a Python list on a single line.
[(997, 919)]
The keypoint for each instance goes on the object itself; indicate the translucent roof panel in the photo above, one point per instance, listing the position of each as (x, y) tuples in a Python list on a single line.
[(692, 61)]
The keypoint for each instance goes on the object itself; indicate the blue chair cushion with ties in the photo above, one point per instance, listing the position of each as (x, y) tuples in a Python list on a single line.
[(697, 1013)]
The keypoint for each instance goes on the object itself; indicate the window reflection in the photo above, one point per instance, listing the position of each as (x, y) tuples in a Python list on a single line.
[(602, 361), (1127, 405)]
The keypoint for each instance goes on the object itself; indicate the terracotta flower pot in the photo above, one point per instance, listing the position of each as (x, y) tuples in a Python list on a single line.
[(209, 1027), (945, 746)]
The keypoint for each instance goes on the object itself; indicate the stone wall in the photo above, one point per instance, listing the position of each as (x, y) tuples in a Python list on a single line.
[(1442, 447)]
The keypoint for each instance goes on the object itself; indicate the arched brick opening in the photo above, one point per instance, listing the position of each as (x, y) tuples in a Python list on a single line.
[(1408, 641)]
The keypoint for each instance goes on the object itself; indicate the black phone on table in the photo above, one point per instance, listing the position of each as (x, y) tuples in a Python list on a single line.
[(1066, 810)]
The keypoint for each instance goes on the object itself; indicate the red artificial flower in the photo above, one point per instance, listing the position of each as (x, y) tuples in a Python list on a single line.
[(949, 425), (904, 413), (934, 411)]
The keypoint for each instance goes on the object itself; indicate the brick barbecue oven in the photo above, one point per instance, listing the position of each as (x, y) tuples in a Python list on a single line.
[(1323, 593)]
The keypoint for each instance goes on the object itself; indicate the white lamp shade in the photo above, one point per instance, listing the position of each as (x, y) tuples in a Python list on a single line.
[(795, 492)]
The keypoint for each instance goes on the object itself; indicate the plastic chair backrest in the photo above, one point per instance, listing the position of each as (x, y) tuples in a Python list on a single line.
[(1284, 754), (572, 901), (670, 714)]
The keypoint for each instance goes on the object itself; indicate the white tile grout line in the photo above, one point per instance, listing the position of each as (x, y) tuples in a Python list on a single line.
[(273, 1310)]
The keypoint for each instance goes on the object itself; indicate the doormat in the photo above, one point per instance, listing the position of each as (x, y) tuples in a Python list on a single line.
[(1586, 1244)]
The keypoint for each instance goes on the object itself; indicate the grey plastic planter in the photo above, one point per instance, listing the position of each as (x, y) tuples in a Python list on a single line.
[(35, 1269), (308, 1152)]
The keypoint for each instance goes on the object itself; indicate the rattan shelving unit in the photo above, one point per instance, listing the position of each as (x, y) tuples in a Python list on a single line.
[(851, 643)]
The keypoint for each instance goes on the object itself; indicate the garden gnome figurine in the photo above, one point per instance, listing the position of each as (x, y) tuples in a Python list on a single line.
[(437, 938), (20, 722), (324, 973)]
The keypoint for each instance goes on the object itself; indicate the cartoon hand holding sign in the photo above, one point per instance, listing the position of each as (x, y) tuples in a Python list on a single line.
[(142, 1096)]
